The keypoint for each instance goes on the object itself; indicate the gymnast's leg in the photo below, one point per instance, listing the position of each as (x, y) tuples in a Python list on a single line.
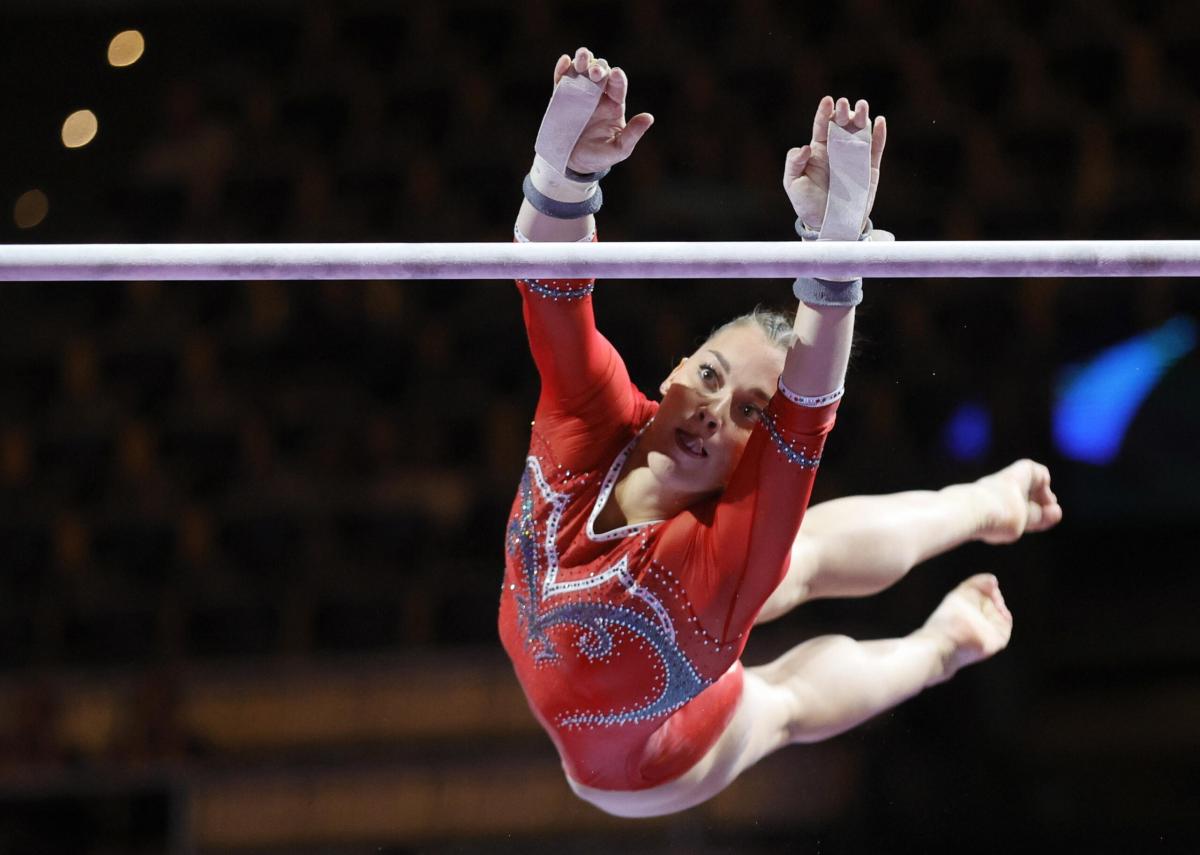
[(860, 545), (833, 683), (826, 686)]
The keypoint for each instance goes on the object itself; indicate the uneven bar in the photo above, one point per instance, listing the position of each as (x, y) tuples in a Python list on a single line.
[(695, 260)]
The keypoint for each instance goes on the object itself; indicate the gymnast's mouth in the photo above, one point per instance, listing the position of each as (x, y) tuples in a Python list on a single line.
[(691, 444)]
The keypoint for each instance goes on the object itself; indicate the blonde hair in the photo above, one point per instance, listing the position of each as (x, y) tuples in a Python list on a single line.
[(776, 326)]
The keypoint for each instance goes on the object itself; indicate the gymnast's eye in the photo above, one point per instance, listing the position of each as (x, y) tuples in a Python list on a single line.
[(707, 373), (751, 412)]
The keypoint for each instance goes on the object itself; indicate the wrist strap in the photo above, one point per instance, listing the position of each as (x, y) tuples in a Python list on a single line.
[(519, 236), (553, 188), (561, 210), (571, 106), (586, 177), (808, 233), (849, 182), (826, 292), (829, 292)]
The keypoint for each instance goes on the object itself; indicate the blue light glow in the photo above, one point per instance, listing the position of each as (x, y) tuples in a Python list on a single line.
[(1097, 401), (968, 433)]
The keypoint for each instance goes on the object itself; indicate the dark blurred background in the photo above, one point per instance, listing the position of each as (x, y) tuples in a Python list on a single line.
[(250, 534)]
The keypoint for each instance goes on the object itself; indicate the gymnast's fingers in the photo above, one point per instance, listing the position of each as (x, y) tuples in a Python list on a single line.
[(794, 164), (583, 56), (862, 114), (618, 85), (561, 67), (820, 133), (878, 141), (633, 131), (597, 71), (841, 112)]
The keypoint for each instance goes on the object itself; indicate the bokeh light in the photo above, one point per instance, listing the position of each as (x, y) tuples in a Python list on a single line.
[(1096, 402), (967, 435), (79, 129), (126, 48), (31, 208)]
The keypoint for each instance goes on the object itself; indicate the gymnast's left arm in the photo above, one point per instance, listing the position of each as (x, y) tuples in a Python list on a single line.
[(831, 185)]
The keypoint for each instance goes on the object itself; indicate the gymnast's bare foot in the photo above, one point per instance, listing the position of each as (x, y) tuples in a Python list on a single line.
[(1016, 500), (971, 624)]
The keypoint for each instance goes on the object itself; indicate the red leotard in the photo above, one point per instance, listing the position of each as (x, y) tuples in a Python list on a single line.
[(626, 642)]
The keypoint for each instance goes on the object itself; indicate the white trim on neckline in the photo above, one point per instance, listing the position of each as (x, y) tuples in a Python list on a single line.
[(606, 488)]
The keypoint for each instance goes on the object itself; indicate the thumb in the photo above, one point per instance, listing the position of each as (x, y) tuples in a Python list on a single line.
[(795, 163), (633, 131)]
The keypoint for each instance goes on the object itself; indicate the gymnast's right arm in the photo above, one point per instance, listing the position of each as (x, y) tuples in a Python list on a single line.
[(583, 134)]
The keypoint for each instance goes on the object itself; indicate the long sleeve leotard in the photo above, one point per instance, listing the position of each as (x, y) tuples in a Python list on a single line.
[(627, 642)]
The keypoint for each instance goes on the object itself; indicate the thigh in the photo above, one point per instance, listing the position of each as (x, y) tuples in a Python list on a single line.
[(759, 726), (796, 586)]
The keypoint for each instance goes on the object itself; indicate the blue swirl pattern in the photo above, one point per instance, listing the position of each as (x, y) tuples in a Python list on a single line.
[(676, 679)]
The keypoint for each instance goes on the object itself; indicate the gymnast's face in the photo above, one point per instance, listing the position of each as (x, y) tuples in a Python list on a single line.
[(711, 402)]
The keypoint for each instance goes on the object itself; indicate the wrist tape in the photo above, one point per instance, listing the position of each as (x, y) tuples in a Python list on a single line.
[(832, 292), (552, 187), (849, 183), (849, 152), (570, 108)]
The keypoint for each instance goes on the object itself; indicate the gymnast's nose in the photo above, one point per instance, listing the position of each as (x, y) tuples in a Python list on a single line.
[(709, 415)]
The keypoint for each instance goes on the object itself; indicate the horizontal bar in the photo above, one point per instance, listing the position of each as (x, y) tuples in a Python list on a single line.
[(696, 260)]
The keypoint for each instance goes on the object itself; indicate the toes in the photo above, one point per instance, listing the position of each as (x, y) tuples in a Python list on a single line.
[(984, 583), (988, 587), (997, 612), (983, 592)]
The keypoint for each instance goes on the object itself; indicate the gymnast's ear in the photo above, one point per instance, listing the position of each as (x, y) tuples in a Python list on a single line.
[(666, 384)]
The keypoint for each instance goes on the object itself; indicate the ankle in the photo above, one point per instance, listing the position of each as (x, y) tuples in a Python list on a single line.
[(979, 504), (942, 651)]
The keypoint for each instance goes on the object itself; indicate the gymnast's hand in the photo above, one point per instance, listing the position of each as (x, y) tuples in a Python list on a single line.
[(806, 169), (608, 138)]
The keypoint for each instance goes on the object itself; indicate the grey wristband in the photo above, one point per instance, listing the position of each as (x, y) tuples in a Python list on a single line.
[(561, 210), (823, 292)]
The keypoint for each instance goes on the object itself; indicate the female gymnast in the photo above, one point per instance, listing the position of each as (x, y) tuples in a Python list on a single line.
[(647, 538)]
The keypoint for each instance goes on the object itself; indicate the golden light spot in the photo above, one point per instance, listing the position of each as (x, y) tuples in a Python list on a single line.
[(71, 541), (126, 48), (195, 530), (31, 208), (79, 129), (15, 456), (136, 451)]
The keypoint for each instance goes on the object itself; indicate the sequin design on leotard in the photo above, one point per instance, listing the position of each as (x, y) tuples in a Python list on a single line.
[(548, 603)]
